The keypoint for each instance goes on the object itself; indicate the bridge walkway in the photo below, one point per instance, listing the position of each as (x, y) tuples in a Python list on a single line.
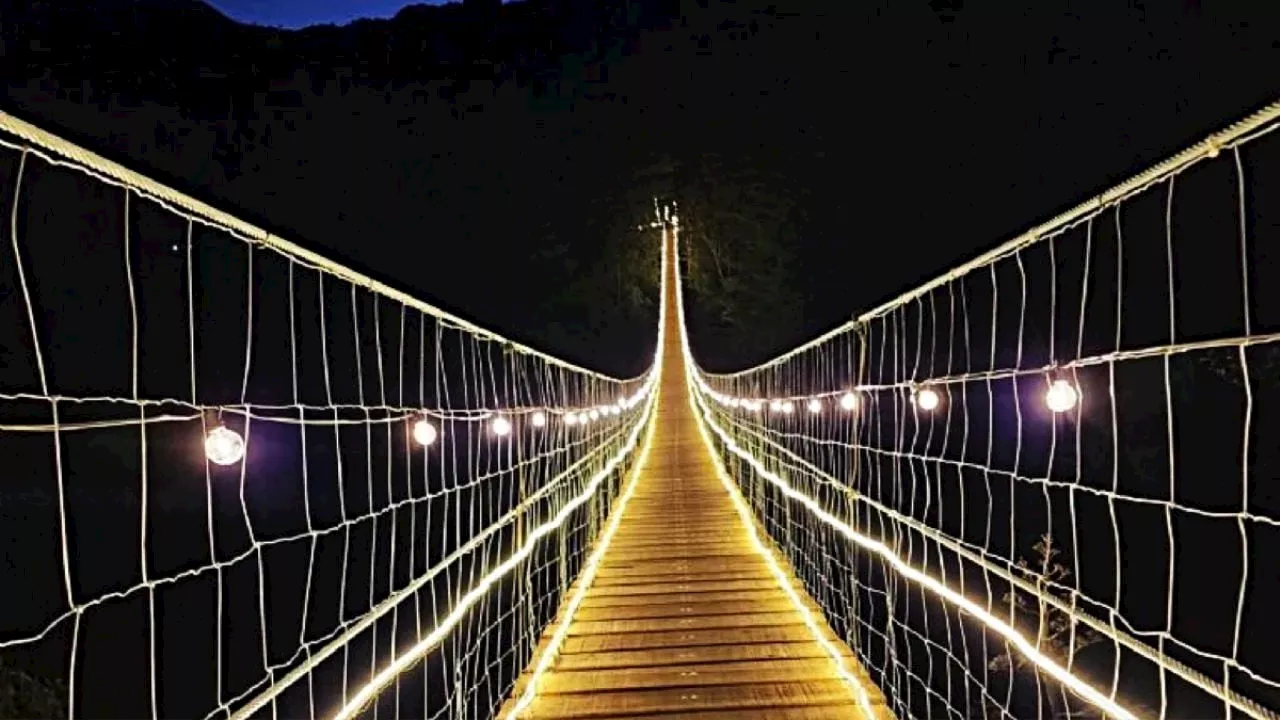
[(689, 615)]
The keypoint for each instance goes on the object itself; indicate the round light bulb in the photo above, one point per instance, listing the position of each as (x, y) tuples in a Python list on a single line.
[(815, 406), (424, 432), (594, 414), (501, 426), (1062, 396), (927, 399), (539, 419), (223, 446), (571, 419), (775, 406), (849, 401), (788, 407)]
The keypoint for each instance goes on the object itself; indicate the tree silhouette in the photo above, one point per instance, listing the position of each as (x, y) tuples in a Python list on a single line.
[(1057, 634), (26, 697)]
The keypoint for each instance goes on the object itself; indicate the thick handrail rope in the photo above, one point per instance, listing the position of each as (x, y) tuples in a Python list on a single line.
[(975, 556), (1253, 126), (406, 660), (1010, 633), (76, 157)]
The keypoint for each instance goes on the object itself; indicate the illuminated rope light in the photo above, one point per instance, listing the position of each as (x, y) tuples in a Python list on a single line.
[(780, 575), (410, 657), (386, 606), (585, 579), (1009, 633)]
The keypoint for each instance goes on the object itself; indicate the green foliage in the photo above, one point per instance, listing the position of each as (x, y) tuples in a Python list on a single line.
[(738, 231)]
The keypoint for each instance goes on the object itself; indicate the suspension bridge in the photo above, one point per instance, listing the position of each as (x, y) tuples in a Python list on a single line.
[(245, 481)]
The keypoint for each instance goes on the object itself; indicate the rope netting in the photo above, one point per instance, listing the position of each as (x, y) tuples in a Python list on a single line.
[(1043, 484), (245, 480)]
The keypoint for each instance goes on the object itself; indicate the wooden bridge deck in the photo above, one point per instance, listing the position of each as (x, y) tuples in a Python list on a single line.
[(685, 617)]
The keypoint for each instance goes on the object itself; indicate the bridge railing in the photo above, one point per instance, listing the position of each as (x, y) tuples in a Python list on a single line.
[(1044, 484), (244, 480)]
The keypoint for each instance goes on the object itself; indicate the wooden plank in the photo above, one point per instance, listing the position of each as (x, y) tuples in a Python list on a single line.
[(688, 675), (604, 601), (691, 638), (658, 700), (691, 622), (686, 655), (810, 712)]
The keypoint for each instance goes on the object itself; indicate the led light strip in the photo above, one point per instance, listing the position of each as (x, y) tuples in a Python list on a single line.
[(585, 579), (784, 581), (405, 661), (615, 518), (1009, 633)]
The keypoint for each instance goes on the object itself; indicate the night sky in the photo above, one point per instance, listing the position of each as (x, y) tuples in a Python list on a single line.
[(301, 13)]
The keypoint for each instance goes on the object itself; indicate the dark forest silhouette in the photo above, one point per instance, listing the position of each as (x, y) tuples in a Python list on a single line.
[(528, 137)]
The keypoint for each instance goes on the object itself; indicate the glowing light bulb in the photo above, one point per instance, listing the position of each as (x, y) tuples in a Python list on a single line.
[(775, 406), (927, 399), (1062, 396), (424, 432), (223, 446), (849, 401), (815, 406), (788, 407), (501, 426), (594, 414), (571, 419), (539, 419)]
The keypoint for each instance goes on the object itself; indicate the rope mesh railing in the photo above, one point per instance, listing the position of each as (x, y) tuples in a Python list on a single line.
[(1040, 485), (246, 481)]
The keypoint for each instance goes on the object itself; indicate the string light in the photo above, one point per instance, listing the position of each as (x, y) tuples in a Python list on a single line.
[(815, 406), (571, 419), (788, 407), (223, 446), (424, 432), (775, 406), (1062, 396), (501, 426), (539, 419), (849, 401), (927, 399), (594, 414)]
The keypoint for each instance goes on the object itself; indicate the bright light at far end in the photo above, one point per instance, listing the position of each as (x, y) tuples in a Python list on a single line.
[(424, 433), (849, 401), (539, 419), (501, 426), (223, 446), (1062, 396), (927, 399)]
